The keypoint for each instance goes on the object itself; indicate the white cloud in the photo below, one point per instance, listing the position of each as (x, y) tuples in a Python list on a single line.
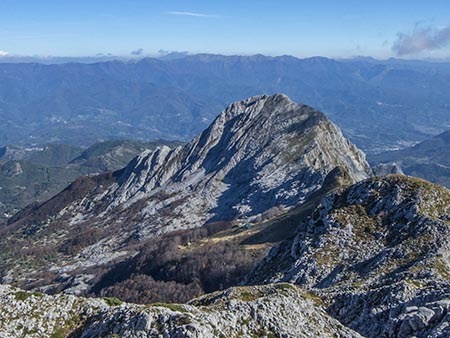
[(421, 39), (3, 53), (194, 14)]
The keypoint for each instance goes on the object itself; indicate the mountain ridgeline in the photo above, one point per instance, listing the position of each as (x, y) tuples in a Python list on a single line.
[(377, 255)]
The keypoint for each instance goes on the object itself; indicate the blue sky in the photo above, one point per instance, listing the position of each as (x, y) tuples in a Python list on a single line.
[(411, 29)]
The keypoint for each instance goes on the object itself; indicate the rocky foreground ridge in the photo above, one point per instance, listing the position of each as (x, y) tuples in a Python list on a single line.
[(280, 310), (261, 153), (378, 255), (371, 260)]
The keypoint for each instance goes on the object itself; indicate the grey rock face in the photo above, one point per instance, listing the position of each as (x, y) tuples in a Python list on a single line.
[(280, 310), (259, 153), (431, 319), (378, 253)]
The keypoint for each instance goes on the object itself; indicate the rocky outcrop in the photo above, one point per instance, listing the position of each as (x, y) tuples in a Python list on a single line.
[(260, 153), (280, 310), (31, 175), (371, 261), (387, 169), (377, 252)]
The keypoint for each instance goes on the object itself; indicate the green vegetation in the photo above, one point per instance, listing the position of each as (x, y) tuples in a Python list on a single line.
[(170, 306), (441, 268), (285, 288), (260, 333), (314, 297), (27, 332), (363, 226), (22, 295), (112, 301), (436, 199), (416, 283), (60, 332), (327, 255), (248, 296), (182, 320), (68, 328)]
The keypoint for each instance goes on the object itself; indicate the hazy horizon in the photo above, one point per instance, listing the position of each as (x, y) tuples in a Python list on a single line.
[(170, 55), (325, 28)]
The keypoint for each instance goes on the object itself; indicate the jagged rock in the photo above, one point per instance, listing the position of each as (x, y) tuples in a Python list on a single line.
[(375, 255), (261, 152), (432, 319)]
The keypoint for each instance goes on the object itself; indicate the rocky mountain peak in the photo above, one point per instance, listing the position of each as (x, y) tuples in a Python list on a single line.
[(265, 152), (259, 152)]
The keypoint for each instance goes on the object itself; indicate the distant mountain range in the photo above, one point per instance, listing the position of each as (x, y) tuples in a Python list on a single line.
[(429, 159), (379, 105)]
